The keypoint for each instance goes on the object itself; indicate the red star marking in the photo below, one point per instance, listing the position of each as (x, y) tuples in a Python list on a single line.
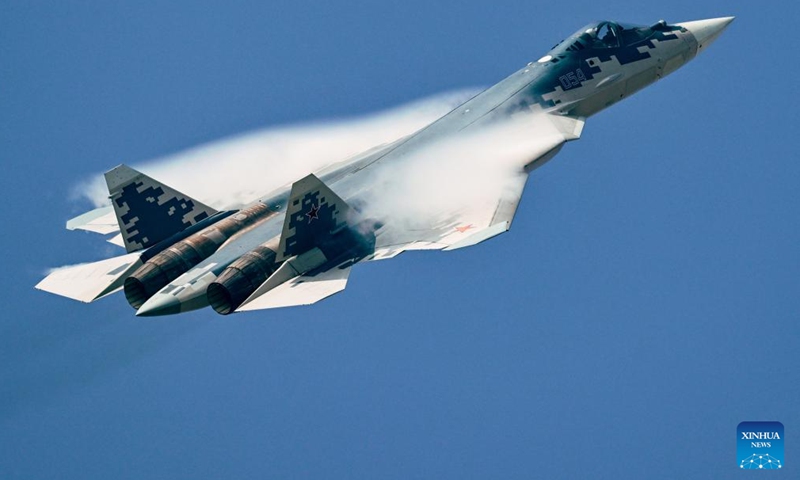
[(464, 228), (313, 213)]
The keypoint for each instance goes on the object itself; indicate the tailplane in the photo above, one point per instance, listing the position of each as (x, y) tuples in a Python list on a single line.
[(89, 281)]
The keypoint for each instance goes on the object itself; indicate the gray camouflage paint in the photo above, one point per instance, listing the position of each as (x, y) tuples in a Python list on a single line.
[(583, 75), (148, 211), (164, 217)]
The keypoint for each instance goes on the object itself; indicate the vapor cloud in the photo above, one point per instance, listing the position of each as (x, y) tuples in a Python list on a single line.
[(234, 171), (469, 171)]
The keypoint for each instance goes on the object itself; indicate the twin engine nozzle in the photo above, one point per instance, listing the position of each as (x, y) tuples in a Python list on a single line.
[(237, 283), (242, 278), (177, 258), (245, 275)]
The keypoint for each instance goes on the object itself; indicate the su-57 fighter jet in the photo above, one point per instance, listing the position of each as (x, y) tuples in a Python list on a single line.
[(297, 245)]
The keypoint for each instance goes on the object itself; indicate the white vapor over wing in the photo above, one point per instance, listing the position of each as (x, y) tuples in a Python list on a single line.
[(464, 173), (231, 172)]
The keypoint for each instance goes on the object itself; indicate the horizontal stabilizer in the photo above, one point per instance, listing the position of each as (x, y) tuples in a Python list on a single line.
[(87, 282), (148, 211), (302, 290)]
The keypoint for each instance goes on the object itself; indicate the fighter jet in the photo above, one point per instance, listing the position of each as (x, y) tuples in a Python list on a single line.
[(297, 245)]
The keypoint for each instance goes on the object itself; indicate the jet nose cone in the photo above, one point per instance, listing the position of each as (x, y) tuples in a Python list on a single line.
[(706, 31), (159, 305)]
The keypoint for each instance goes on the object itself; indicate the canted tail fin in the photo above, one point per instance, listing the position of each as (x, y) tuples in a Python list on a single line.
[(322, 239), (148, 211), (313, 215)]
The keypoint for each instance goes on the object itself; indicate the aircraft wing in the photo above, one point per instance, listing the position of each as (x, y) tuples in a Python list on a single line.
[(476, 215)]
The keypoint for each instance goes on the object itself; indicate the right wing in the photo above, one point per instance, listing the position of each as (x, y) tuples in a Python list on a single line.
[(457, 216)]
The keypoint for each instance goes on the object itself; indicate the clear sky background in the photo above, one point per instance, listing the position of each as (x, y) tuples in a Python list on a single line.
[(646, 300)]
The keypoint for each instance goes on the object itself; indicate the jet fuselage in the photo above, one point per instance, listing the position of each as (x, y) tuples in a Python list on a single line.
[(189, 247), (597, 66)]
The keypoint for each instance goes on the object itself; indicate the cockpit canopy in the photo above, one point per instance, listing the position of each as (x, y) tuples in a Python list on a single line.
[(603, 34)]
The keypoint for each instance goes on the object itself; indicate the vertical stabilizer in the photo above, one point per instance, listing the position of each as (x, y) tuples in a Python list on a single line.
[(149, 211), (313, 216)]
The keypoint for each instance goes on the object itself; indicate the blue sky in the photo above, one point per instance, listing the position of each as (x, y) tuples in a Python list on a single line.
[(645, 302)]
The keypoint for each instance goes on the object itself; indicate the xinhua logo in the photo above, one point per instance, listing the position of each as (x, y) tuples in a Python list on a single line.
[(759, 445)]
